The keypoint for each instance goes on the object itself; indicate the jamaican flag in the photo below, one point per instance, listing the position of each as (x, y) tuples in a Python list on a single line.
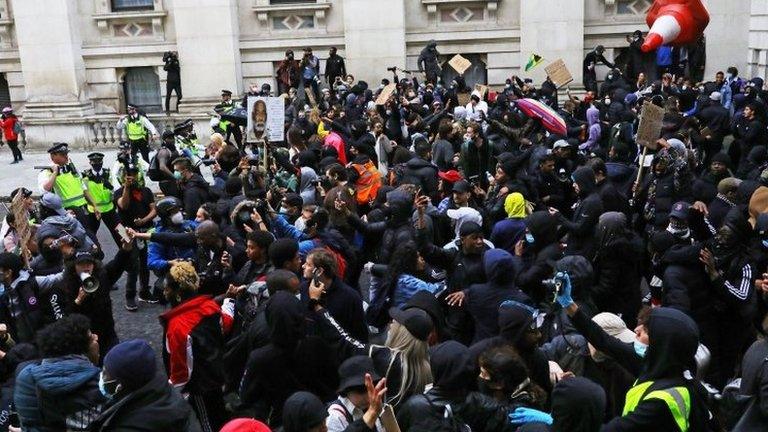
[(533, 61)]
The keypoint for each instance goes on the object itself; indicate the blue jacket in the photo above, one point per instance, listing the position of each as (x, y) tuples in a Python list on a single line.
[(158, 255), (408, 285), (281, 228), (58, 394)]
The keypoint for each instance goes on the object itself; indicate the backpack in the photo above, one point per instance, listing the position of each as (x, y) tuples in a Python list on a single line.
[(153, 172), (18, 127), (368, 182)]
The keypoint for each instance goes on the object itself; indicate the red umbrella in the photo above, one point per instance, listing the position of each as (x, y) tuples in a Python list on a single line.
[(549, 118)]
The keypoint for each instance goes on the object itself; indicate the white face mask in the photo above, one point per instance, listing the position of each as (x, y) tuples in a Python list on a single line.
[(177, 218)]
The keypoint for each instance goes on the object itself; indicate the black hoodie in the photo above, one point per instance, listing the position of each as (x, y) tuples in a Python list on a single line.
[(581, 227), (578, 405), (544, 249)]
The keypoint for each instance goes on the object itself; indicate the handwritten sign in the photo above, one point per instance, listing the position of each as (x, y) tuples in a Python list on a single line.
[(460, 64), (558, 72), (385, 94), (649, 130), (482, 89), (266, 116)]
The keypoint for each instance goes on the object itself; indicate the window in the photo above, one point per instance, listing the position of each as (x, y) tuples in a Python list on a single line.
[(127, 5), (5, 94), (293, 22), (632, 7), (141, 87)]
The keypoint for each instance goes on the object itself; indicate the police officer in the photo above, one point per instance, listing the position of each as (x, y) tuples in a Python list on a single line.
[(97, 180), (226, 99), (187, 144), (64, 180), (125, 157), (225, 127), (137, 128)]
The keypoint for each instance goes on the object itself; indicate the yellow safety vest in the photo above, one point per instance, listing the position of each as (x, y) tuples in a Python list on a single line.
[(135, 129), (224, 125), (101, 195), (69, 187), (678, 399)]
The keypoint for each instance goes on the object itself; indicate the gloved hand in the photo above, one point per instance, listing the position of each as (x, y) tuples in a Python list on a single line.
[(564, 296), (529, 415)]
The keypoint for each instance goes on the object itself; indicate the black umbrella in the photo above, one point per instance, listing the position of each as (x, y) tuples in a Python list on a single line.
[(238, 116)]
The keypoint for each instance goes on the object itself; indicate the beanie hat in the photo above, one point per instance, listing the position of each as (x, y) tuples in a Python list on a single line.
[(131, 363)]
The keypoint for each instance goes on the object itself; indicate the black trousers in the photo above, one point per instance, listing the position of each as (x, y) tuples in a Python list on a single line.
[(140, 146), (138, 271), (110, 219), (171, 86), (14, 145)]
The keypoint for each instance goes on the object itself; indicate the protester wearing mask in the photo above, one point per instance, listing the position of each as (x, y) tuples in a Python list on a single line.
[(193, 343), (20, 308), (194, 189), (137, 396), (581, 228), (161, 166), (540, 248), (504, 377)]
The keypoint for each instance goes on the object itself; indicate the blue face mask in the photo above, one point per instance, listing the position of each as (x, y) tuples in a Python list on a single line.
[(765, 243), (529, 238), (640, 348), (177, 175)]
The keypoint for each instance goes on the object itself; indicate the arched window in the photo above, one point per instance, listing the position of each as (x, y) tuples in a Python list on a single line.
[(141, 87), (5, 94)]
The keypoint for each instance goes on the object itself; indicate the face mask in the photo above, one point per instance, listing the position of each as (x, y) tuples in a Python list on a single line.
[(483, 385), (685, 87), (765, 243), (679, 231), (177, 218), (97, 167), (177, 175), (103, 387), (640, 348), (283, 210), (607, 101), (50, 255), (529, 237)]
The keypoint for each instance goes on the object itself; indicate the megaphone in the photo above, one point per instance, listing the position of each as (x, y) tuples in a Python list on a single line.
[(90, 283)]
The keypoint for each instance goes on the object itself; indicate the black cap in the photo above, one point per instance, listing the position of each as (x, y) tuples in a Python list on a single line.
[(95, 156), (427, 302), (168, 133), (680, 210), (124, 145), (226, 92), (85, 257), (416, 321), (469, 228), (131, 106), (59, 148), (26, 193), (352, 372), (462, 186)]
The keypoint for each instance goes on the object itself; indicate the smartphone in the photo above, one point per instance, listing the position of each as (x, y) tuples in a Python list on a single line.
[(316, 276)]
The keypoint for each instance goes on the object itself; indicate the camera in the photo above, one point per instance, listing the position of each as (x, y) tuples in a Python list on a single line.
[(316, 182), (168, 56), (553, 286), (392, 69)]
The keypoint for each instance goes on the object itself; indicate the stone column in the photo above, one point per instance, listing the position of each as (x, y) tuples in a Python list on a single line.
[(50, 47), (552, 35), (207, 38), (374, 38)]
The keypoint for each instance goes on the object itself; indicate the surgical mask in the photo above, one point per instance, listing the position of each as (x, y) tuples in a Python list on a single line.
[(529, 238), (103, 387), (765, 243), (177, 175), (283, 210), (685, 87), (177, 218), (607, 101), (640, 348)]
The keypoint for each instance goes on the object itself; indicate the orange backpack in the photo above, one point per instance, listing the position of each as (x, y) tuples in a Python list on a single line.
[(367, 184)]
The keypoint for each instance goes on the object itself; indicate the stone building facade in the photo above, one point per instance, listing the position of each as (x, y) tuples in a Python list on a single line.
[(70, 66)]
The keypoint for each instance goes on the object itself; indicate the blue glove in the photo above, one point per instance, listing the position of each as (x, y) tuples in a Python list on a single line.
[(564, 297), (529, 415)]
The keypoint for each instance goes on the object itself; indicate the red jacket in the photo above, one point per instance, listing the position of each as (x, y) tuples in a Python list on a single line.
[(8, 124), (193, 343)]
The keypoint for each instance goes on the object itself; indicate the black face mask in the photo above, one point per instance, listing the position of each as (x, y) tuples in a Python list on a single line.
[(484, 386), (50, 255)]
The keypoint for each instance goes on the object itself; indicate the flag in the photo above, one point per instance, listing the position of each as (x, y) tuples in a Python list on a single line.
[(533, 61)]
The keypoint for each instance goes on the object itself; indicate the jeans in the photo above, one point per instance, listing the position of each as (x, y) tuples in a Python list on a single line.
[(14, 145), (171, 86)]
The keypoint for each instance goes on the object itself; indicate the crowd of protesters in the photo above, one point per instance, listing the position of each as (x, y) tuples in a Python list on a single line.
[(458, 263)]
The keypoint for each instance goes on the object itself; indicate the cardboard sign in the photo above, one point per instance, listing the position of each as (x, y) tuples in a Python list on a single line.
[(388, 419), (266, 118), (385, 94), (463, 98), (649, 130), (460, 64), (559, 74), (482, 89)]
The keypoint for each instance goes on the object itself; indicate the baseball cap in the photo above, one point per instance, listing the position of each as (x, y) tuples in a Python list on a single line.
[(716, 96), (614, 326), (451, 176), (416, 321), (680, 210), (53, 202), (462, 186), (560, 144)]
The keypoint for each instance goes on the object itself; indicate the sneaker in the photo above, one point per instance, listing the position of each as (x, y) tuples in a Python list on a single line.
[(14, 162), (147, 297), (130, 305)]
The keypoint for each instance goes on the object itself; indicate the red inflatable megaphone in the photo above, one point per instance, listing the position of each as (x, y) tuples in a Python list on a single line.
[(675, 22)]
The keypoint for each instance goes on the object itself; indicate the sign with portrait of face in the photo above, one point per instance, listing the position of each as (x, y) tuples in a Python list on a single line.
[(266, 117)]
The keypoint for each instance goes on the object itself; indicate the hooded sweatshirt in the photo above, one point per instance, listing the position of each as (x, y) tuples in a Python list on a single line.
[(306, 188), (509, 231), (578, 405), (483, 300), (57, 226), (581, 227), (593, 119)]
